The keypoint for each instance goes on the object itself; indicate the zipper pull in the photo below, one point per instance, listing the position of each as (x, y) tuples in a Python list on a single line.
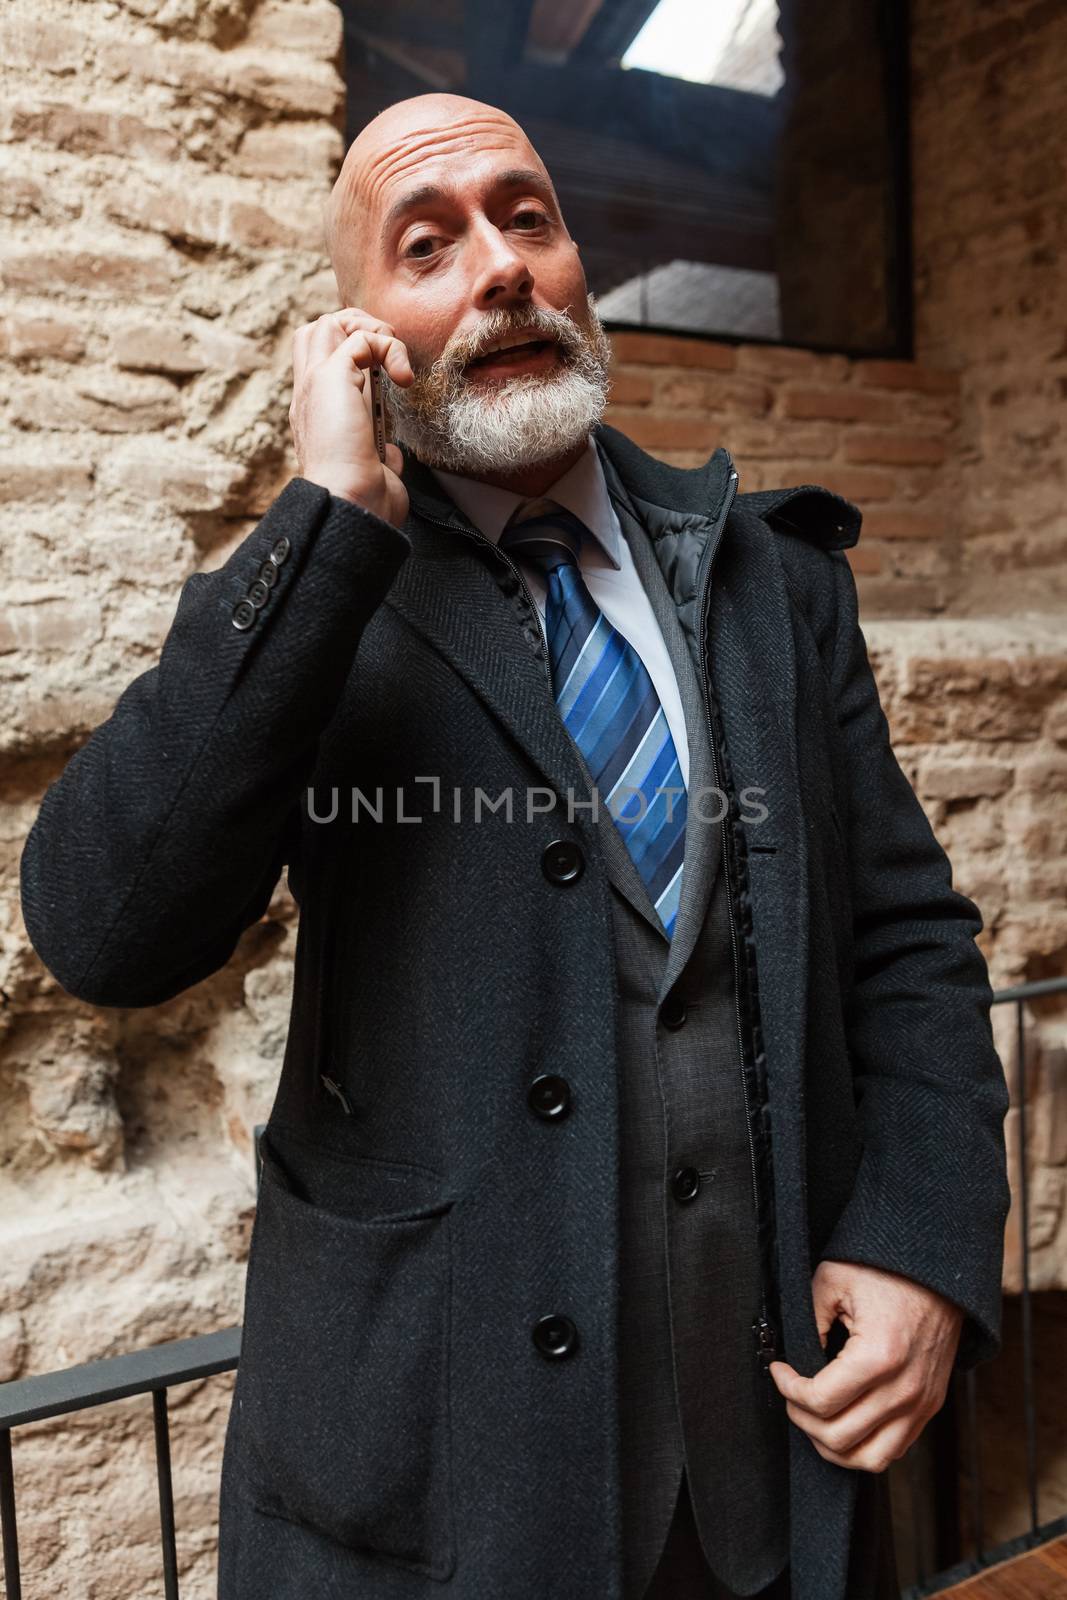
[(338, 1093), (766, 1341), (766, 1352)]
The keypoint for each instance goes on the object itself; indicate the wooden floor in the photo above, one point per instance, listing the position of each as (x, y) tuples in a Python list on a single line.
[(1039, 1575)]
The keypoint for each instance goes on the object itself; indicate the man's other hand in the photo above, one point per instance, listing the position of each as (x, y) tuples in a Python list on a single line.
[(868, 1405), (329, 414)]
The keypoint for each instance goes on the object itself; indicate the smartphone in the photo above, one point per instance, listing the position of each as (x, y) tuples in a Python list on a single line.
[(377, 411)]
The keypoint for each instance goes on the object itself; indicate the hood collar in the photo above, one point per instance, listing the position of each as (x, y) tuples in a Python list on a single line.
[(661, 492)]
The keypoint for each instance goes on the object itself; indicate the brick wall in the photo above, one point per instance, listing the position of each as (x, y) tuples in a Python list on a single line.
[(162, 170), (879, 432), (990, 224), (161, 199)]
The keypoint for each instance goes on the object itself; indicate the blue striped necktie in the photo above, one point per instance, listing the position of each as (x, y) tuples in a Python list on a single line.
[(608, 703)]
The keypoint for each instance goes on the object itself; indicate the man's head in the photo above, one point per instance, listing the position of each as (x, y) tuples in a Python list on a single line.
[(444, 223)]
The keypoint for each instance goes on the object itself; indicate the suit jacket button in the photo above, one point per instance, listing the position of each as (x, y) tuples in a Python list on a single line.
[(686, 1183), (268, 573), (555, 1336), (672, 1012), (280, 551), (258, 594), (562, 861), (549, 1096), (243, 615)]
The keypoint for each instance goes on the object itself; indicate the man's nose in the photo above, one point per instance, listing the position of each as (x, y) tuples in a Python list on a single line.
[(501, 273)]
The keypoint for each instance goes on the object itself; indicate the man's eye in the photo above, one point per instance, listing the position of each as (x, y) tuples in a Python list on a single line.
[(537, 216), (426, 238)]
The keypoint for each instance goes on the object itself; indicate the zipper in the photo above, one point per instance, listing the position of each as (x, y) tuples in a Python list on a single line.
[(338, 1093), (762, 1326)]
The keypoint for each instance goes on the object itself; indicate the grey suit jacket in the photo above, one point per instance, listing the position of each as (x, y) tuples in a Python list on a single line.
[(690, 1385)]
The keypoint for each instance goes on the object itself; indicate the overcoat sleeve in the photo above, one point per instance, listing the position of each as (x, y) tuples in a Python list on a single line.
[(931, 1194), (164, 836)]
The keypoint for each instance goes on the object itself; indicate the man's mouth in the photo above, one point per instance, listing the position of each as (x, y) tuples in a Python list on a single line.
[(517, 355)]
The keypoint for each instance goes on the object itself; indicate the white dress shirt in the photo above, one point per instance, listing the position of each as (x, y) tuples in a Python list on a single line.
[(606, 565)]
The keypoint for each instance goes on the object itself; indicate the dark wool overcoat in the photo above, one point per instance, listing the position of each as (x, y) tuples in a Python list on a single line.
[(332, 699)]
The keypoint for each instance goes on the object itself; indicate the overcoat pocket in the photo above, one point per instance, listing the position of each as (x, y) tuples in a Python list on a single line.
[(343, 1386)]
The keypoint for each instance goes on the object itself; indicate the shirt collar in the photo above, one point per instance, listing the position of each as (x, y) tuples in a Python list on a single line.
[(582, 490)]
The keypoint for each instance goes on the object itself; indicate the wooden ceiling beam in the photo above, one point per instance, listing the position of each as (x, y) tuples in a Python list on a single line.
[(557, 27)]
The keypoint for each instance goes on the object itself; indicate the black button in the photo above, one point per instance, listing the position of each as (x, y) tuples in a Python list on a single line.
[(549, 1095), (258, 594), (672, 1012), (243, 615), (686, 1183), (268, 573), (562, 861), (555, 1336), (281, 550)]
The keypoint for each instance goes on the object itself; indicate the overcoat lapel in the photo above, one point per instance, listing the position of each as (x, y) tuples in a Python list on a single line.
[(452, 597)]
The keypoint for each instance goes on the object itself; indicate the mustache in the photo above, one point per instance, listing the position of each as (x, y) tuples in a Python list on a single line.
[(539, 321)]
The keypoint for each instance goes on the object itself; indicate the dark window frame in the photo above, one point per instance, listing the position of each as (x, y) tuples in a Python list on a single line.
[(494, 36)]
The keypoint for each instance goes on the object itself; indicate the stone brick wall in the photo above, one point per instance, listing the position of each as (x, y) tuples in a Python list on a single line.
[(879, 432), (990, 226), (162, 169), (991, 304)]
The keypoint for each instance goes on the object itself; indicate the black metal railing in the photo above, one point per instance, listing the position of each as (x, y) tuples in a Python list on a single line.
[(1037, 1533), (160, 1367), (153, 1371), (55, 1394)]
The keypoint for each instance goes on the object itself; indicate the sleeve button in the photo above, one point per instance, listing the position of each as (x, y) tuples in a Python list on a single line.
[(281, 550), (258, 594), (268, 573), (243, 615)]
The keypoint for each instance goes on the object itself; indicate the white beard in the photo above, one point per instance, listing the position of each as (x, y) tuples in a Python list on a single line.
[(511, 422)]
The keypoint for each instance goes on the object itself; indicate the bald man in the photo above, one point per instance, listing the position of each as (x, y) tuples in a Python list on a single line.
[(605, 865), (444, 220)]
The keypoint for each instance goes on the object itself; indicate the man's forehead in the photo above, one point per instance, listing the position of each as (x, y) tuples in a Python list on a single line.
[(398, 156)]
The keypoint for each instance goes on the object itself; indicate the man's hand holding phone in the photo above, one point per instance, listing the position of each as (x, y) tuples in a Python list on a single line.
[(330, 413)]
